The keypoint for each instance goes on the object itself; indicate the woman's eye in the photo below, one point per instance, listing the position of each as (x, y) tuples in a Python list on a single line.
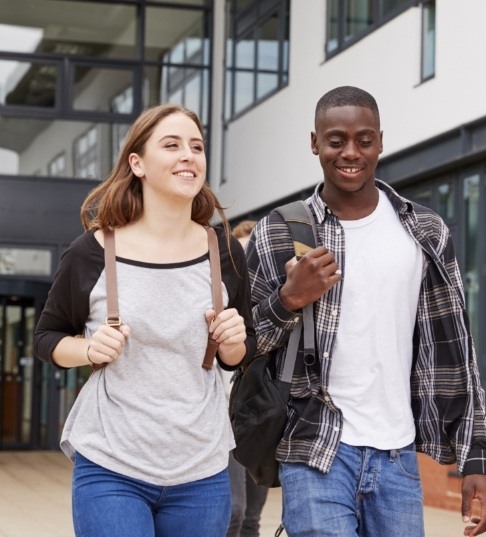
[(198, 148), (171, 145)]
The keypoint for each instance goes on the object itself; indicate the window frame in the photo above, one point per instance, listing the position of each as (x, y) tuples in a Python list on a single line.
[(378, 21)]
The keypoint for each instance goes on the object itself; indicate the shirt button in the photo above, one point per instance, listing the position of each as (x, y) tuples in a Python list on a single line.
[(335, 429), (334, 313), (326, 355), (338, 231), (327, 398)]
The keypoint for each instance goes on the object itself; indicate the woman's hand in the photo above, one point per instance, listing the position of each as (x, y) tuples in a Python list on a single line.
[(107, 343), (228, 329)]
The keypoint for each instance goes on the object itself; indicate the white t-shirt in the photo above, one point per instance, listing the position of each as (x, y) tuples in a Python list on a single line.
[(371, 363)]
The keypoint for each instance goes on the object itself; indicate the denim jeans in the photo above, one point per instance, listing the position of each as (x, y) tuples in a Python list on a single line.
[(247, 501), (367, 493), (106, 504)]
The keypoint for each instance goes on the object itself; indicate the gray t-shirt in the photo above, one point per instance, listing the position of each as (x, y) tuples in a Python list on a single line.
[(154, 414)]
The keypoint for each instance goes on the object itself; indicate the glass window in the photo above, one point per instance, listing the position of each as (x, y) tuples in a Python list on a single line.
[(29, 145), (57, 166), (121, 104), (25, 261), (93, 87), (446, 204), (428, 40), (359, 16), (85, 155), (471, 266), (25, 83), (71, 28), (177, 36), (332, 35), (348, 20), (389, 6), (256, 53)]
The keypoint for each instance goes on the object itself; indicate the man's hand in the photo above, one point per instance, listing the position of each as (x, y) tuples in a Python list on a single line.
[(474, 488), (309, 278)]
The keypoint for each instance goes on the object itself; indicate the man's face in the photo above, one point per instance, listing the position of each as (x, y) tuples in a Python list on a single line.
[(348, 141)]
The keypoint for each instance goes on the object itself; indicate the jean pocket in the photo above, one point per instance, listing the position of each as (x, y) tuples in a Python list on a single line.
[(408, 464)]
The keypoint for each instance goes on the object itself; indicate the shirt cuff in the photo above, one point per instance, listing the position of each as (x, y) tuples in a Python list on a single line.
[(277, 314), (476, 462)]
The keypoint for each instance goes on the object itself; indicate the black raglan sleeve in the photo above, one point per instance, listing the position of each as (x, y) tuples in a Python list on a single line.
[(234, 273), (67, 306)]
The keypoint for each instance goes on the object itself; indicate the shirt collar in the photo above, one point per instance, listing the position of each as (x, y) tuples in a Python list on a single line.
[(321, 210)]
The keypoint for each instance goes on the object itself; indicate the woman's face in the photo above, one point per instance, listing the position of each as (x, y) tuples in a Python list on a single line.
[(174, 162)]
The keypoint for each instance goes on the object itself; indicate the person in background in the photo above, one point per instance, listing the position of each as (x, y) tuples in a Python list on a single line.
[(149, 433), (247, 498), (396, 370)]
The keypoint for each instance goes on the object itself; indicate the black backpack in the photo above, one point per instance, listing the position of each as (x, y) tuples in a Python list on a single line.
[(258, 402)]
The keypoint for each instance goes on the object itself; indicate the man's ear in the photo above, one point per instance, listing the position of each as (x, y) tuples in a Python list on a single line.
[(136, 165), (314, 148), (381, 142)]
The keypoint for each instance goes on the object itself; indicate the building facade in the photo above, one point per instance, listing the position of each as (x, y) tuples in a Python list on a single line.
[(74, 74)]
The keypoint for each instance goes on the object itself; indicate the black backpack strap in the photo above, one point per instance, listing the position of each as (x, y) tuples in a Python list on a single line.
[(302, 226), (303, 229)]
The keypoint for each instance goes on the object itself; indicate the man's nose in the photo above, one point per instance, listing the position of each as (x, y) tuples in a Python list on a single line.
[(350, 150)]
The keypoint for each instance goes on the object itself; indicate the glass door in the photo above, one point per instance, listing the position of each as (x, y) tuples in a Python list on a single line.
[(17, 321)]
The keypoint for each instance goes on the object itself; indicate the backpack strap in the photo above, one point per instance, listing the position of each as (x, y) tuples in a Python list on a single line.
[(302, 226), (303, 230)]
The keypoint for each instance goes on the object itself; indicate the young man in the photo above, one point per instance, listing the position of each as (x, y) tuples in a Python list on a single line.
[(395, 370)]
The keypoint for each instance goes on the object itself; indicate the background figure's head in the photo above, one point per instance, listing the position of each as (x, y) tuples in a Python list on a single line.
[(118, 200), (242, 231), (345, 96)]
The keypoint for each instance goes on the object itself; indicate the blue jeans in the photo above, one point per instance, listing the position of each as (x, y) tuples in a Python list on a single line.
[(367, 493), (106, 504)]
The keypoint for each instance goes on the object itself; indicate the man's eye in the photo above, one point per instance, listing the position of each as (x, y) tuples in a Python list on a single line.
[(365, 143), (335, 143)]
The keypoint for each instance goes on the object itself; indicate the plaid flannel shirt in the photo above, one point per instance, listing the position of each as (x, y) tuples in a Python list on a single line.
[(447, 398)]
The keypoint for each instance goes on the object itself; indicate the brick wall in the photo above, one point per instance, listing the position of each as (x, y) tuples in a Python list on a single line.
[(441, 489), (442, 485)]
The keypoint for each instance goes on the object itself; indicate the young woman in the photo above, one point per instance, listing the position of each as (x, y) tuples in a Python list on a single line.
[(149, 433)]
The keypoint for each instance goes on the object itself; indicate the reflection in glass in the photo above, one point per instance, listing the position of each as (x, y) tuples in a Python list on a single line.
[(359, 16), (268, 45), (25, 261), (85, 154), (68, 28), (428, 40), (28, 84), (266, 83), (245, 54), (243, 90), (36, 142), (388, 6), (446, 200), (332, 34), (471, 204), (176, 36), (94, 87), (57, 166)]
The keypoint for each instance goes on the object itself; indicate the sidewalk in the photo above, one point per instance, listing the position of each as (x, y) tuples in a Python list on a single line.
[(35, 500)]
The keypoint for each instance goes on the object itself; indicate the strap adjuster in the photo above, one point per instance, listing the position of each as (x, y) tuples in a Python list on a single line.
[(113, 321)]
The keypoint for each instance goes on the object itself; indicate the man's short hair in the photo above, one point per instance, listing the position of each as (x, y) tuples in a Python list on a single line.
[(346, 96)]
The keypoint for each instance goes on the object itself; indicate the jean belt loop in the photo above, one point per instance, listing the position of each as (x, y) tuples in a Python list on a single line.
[(393, 454)]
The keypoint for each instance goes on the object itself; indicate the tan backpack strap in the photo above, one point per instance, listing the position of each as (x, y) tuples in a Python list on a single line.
[(217, 292), (113, 314)]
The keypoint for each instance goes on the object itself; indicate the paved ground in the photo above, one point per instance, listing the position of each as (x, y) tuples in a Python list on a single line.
[(35, 500)]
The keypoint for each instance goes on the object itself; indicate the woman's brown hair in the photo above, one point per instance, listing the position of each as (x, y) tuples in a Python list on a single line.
[(117, 201)]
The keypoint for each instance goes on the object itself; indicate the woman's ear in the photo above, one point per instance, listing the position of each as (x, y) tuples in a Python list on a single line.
[(136, 165)]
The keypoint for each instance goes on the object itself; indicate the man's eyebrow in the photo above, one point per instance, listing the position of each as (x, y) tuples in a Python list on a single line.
[(338, 132)]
